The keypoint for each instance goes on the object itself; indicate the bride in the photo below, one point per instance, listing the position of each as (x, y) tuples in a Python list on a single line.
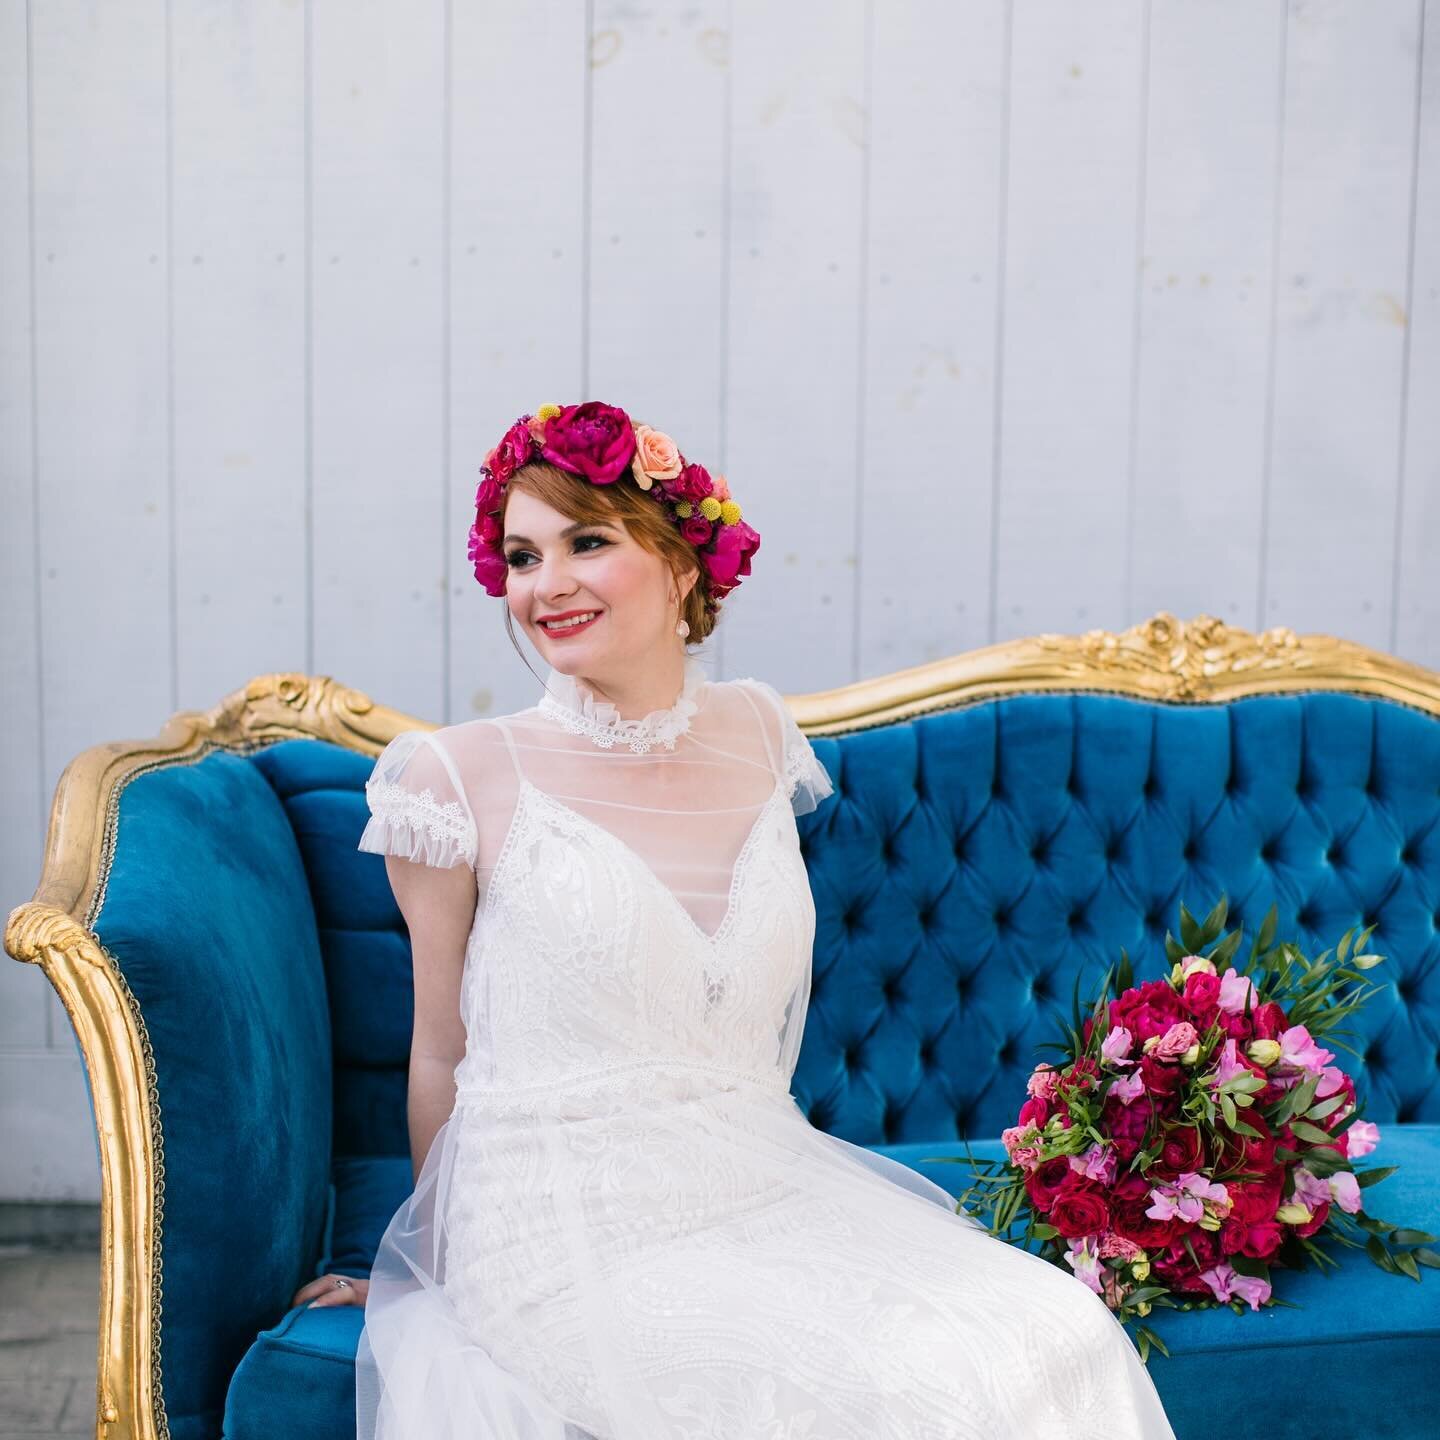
[(623, 1227)]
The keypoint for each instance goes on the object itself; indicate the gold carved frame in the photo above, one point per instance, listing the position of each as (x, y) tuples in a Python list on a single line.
[(1163, 659)]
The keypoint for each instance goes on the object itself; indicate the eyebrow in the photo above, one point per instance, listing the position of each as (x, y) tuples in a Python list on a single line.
[(565, 534)]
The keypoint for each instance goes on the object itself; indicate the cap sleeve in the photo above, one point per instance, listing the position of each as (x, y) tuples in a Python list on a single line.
[(807, 782), (418, 808)]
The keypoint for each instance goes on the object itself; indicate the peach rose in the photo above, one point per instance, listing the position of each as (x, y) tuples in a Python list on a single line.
[(657, 456)]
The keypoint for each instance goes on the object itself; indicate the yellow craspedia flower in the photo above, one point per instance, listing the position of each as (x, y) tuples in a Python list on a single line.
[(684, 509), (729, 512), (546, 412), (710, 507)]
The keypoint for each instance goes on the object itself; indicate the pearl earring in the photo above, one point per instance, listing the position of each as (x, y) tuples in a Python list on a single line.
[(683, 628)]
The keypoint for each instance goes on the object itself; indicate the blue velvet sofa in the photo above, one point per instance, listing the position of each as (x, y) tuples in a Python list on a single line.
[(1003, 819)]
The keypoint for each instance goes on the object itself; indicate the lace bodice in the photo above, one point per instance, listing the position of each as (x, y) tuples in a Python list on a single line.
[(619, 894)]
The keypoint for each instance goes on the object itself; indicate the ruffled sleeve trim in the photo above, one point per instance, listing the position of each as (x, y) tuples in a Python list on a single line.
[(412, 823), (807, 782)]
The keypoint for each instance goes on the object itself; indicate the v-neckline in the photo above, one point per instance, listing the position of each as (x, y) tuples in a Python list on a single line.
[(742, 860)]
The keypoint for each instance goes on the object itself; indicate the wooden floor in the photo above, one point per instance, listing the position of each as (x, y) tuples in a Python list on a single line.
[(49, 1301)]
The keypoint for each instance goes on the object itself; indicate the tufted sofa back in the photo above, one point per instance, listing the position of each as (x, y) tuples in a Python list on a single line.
[(975, 860)]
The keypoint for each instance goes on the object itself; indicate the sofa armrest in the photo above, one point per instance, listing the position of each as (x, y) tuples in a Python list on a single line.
[(198, 997)]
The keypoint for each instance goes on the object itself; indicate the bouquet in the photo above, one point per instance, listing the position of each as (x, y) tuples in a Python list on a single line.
[(1196, 1132)]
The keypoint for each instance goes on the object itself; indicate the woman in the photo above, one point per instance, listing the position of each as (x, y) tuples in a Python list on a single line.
[(623, 1226)]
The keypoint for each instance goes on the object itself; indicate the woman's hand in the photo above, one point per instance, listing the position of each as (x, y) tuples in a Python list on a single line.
[(325, 1290)]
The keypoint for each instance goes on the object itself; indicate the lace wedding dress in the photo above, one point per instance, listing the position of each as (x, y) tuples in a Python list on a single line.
[(627, 1229)]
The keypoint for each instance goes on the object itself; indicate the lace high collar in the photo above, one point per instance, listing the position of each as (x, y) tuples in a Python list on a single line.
[(573, 704)]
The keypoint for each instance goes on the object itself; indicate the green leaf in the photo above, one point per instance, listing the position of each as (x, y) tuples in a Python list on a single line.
[(1216, 918), (1410, 1237), (1406, 1261), (1376, 1250), (1426, 1256), (1310, 1132), (1145, 1332), (1045, 1231), (1227, 1108), (1266, 938), (1372, 1177), (1189, 931)]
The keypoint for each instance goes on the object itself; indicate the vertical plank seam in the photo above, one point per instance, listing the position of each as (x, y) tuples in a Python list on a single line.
[(586, 164), (447, 682), (1002, 218), (1276, 227), (1141, 195), (862, 329), (1402, 449), (309, 338), (726, 234), (40, 757)]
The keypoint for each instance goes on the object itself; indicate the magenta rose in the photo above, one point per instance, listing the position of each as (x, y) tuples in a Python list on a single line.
[(692, 483), (1202, 996), (1080, 1209), (1269, 1020), (490, 567), (1129, 1199), (1318, 1217), (1183, 1149), (1046, 1181), (1035, 1111), (516, 448), (696, 529), (1161, 1077), (1146, 1010), (730, 558), (1125, 1124), (488, 495), (590, 439)]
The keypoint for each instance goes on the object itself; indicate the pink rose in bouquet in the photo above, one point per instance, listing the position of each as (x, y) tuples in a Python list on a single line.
[(1198, 1135)]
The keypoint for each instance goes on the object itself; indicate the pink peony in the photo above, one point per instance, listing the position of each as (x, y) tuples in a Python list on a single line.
[(730, 559), (590, 439), (516, 448)]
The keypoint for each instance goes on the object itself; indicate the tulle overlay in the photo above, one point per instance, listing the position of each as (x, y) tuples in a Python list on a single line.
[(627, 1229)]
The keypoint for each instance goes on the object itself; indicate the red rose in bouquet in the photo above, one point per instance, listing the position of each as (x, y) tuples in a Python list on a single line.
[(1196, 1132)]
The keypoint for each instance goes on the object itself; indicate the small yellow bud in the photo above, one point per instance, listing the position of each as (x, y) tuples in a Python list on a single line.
[(710, 508), (1190, 1056), (684, 509), (1293, 1214), (1263, 1052), (1176, 974), (729, 512), (1143, 1308), (1140, 1269), (1208, 1221), (546, 412)]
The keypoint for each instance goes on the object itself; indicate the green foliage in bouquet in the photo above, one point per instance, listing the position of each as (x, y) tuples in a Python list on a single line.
[(1193, 1132)]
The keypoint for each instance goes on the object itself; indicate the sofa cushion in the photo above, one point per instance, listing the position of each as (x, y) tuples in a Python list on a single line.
[(1367, 1341)]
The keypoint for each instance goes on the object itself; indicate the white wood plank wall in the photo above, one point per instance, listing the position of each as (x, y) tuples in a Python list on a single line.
[(999, 317)]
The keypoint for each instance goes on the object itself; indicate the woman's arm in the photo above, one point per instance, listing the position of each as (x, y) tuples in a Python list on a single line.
[(439, 909)]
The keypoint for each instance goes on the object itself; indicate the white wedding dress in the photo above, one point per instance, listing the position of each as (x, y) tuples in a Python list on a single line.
[(627, 1229)]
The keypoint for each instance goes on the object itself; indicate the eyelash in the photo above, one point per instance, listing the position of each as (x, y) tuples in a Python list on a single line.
[(510, 558)]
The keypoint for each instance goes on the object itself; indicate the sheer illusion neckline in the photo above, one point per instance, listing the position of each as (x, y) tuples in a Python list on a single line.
[(572, 702), (742, 860)]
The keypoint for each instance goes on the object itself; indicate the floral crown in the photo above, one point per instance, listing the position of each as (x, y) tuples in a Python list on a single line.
[(603, 444)]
